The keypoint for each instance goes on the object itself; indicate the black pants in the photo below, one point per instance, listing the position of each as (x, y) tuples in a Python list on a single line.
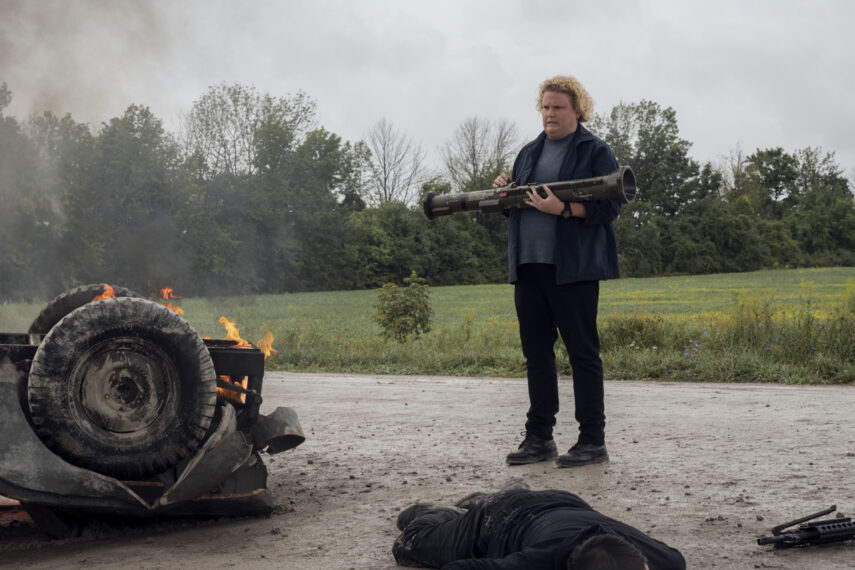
[(544, 309)]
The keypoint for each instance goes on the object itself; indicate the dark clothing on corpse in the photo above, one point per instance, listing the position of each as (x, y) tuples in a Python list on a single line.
[(517, 529)]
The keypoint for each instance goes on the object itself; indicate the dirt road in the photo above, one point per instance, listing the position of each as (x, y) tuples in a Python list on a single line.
[(707, 468)]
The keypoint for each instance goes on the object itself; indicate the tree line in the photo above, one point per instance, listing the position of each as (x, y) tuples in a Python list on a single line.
[(251, 195)]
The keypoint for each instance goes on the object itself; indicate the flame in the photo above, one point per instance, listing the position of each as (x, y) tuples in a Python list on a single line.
[(232, 332), (233, 395), (167, 295), (265, 345), (108, 293)]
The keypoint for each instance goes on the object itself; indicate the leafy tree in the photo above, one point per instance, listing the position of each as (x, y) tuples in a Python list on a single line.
[(120, 205), (823, 214), (458, 250), (801, 204), (646, 136), (401, 241), (30, 215), (366, 256), (733, 232), (312, 187), (227, 240), (639, 234), (776, 172), (279, 225), (664, 229), (22, 218), (224, 123), (816, 168), (61, 142)]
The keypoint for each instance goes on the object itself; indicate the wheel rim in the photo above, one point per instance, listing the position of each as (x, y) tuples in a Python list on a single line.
[(125, 386)]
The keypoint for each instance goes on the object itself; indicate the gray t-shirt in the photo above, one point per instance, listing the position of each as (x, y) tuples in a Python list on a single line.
[(537, 229)]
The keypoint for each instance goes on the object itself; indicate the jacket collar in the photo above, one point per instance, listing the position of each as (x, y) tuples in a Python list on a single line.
[(581, 134), (535, 147)]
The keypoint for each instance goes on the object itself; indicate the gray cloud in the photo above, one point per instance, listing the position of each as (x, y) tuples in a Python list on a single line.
[(756, 74)]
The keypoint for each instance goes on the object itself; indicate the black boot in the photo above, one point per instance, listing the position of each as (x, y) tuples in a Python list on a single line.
[(583, 454), (532, 450)]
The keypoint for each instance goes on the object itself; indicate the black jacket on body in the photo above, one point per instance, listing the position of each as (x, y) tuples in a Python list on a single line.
[(519, 530)]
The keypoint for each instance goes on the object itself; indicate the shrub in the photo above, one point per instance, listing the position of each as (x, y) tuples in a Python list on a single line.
[(404, 313)]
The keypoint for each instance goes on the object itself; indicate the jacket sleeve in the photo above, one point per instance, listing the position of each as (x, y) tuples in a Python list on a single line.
[(602, 211), (533, 557), (660, 557)]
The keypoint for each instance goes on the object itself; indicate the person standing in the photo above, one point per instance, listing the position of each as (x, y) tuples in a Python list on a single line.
[(558, 252)]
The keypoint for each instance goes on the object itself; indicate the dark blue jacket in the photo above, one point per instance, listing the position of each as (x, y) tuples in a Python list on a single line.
[(585, 250)]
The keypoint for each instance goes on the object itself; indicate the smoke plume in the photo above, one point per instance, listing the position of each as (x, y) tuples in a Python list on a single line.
[(84, 57)]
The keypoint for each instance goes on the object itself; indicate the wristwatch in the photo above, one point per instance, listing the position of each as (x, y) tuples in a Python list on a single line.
[(567, 212)]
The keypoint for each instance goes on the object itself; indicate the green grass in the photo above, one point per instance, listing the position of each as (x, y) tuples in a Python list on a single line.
[(700, 294), (793, 326)]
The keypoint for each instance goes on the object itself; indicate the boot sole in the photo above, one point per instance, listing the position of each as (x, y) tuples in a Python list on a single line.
[(594, 461), (531, 460)]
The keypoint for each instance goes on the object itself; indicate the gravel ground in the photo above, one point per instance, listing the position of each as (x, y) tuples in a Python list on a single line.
[(707, 468)]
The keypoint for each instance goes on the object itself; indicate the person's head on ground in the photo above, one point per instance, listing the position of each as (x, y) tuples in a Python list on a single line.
[(563, 104), (606, 552)]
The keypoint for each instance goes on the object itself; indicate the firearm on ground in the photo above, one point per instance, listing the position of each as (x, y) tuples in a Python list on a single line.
[(811, 533), (618, 185)]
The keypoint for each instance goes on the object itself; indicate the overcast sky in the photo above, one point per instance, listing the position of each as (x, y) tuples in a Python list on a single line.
[(740, 74)]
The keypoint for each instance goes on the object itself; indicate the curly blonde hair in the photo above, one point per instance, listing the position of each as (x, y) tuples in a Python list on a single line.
[(579, 97)]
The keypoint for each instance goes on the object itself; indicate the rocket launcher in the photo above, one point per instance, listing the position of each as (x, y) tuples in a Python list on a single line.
[(618, 185)]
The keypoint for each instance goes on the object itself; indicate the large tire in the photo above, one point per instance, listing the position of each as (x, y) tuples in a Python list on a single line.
[(66, 302), (124, 387)]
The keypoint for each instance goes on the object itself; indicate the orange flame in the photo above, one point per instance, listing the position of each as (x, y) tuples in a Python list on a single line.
[(233, 395), (108, 293), (167, 295), (265, 345), (232, 332)]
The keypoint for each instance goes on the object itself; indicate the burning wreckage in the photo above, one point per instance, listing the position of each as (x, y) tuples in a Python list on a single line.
[(111, 404)]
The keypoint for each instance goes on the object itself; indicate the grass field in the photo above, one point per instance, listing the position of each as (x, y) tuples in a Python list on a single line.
[(793, 326)]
